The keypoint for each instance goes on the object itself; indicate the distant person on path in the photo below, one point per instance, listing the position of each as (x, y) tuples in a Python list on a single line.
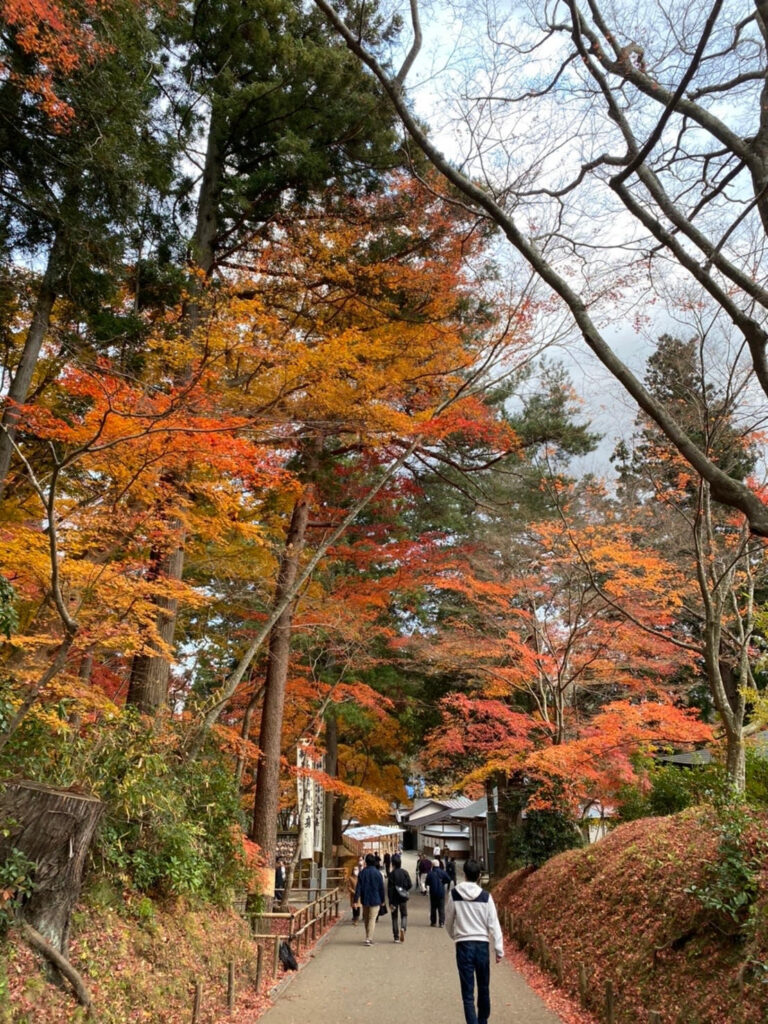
[(279, 880), (437, 879), (450, 867), (352, 878), (387, 863), (423, 868), (398, 879), (472, 922), (369, 891)]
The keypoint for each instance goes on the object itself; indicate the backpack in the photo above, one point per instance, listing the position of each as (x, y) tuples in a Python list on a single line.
[(287, 959)]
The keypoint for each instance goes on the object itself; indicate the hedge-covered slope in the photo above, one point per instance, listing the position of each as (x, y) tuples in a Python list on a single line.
[(620, 909)]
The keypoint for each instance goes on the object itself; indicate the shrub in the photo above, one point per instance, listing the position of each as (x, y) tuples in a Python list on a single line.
[(732, 882), (16, 883), (669, 790), (172, 824)]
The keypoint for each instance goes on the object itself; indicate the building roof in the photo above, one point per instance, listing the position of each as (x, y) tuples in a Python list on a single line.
[(452, 832), (694, 757), (433, 810), (477, 809), (363, 832)]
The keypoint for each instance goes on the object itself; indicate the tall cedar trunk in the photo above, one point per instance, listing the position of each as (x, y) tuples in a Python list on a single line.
[(148, 688), (22, 379), (53, 828), (331, 768), (266, 798)]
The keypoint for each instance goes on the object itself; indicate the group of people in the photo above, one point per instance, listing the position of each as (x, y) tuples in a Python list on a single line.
[(468, 915), (366, 893)]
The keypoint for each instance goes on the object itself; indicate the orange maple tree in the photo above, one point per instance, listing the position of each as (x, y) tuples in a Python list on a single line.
[(566, 668)]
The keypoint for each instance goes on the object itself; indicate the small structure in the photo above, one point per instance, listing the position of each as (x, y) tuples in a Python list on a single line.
[(594, 820), (430, 823), (475, 818), (379, 839), (691, 759)]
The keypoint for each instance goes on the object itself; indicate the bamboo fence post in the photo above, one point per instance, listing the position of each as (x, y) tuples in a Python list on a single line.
[(259, 966), (276, 955), (231, 985), (559, 966), (197, 1002), (610, 1003), (583, 983), (654, 1017)]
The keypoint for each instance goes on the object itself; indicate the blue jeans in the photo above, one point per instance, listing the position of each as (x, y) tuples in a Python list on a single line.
[(473, 960)]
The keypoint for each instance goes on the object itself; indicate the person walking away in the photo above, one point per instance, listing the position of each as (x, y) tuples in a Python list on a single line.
[(473, 924), (399, 881), (437, 879), (369, 892), (450, 867), (387, 863), (423, 868), (352, 878)]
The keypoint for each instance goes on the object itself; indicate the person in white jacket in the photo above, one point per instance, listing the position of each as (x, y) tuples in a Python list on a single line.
[(473, 924)]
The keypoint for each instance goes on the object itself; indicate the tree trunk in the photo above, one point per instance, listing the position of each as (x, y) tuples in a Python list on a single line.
[(148, 687), (266, 798), (54, 829), (736, 764), (22, 379), (331, 768)]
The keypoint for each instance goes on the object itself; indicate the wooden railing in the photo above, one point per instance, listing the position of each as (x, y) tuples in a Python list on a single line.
[(304, 925)]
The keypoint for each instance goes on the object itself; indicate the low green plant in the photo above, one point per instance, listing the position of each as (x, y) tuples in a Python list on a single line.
[(731, 885), (16, 884)]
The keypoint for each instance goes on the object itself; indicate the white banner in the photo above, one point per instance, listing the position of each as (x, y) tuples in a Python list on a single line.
[(319, 810), (305, 787)]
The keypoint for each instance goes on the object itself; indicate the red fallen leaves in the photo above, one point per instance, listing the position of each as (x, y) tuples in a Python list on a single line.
[(620, 909), (144, 972), (553, 997)]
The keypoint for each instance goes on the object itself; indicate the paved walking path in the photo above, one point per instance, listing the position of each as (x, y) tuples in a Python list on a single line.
[(412, 981)]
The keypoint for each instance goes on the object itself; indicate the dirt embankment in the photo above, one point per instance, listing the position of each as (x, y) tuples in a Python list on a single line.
[(140, 961), (618, 912)]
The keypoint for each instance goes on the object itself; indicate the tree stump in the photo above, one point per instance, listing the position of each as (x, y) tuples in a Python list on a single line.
[(53, 828)]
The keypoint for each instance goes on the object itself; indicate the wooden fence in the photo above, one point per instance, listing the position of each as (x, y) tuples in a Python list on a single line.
[(304, 925), (603, 1003)]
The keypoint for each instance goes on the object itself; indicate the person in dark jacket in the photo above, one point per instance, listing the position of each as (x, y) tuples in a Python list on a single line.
[(279, 880), (387, 863), (422, 869), (437, 879), (398, 879), (369, 892), (450, 867)]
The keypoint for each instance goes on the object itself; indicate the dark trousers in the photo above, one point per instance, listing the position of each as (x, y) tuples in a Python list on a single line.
[(403, 908), (437, 908), (474, 961)]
